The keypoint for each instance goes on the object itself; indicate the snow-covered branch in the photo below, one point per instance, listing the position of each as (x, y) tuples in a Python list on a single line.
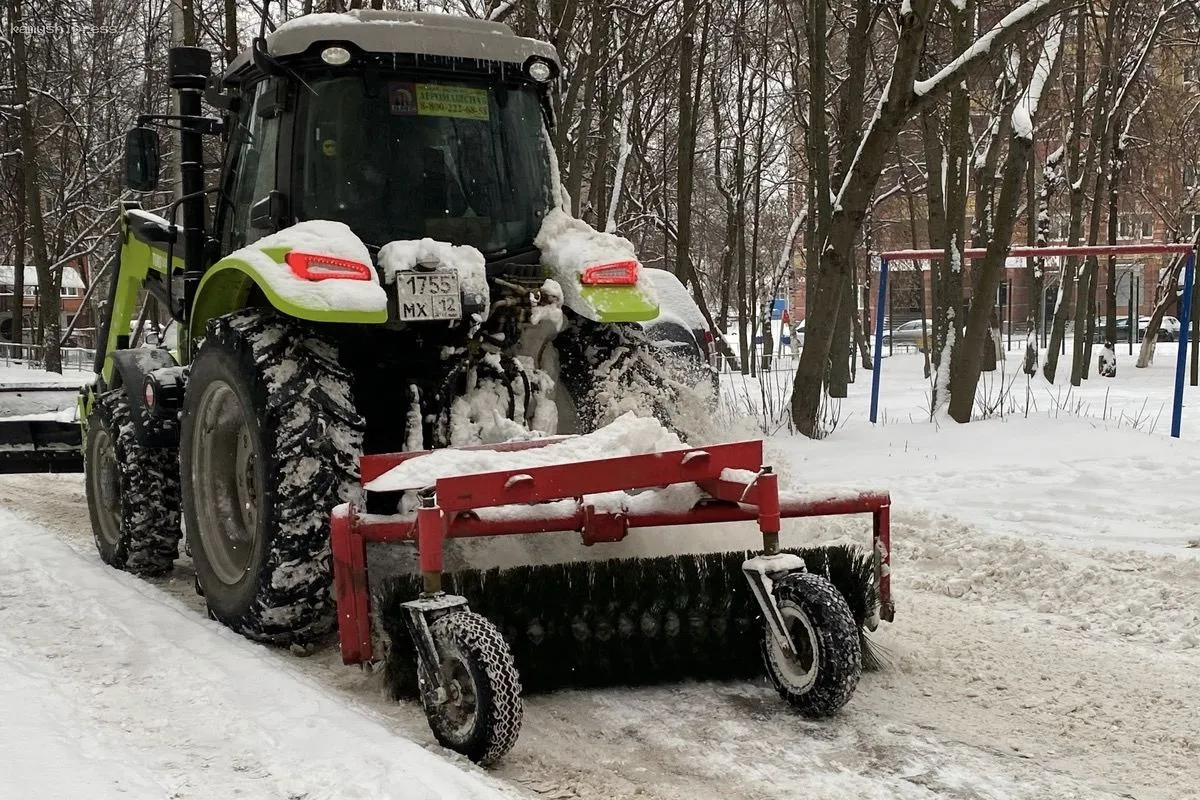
[(1026, 108), (1023, 17)]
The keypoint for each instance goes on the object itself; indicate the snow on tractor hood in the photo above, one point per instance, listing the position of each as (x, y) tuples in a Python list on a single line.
[(570, 246)]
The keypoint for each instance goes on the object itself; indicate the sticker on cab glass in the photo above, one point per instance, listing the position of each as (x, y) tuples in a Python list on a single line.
[(438, 100)]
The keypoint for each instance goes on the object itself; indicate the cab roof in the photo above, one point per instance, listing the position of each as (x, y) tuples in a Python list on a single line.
[(420, 33)]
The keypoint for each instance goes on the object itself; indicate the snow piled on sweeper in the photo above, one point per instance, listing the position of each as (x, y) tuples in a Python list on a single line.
[(628, 435)]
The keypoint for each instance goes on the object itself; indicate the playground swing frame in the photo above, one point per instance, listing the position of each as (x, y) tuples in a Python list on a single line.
[(976, 253)]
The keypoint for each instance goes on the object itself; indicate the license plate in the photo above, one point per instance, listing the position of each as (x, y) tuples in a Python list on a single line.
[(428, 295)]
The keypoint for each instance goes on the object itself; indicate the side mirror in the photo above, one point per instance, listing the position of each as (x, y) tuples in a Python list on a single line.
[(141, 159)]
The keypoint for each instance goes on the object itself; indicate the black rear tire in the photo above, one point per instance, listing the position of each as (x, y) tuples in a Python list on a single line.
[(610, 369), (482, 717), (821, 677), (258, 530), (132, 491)]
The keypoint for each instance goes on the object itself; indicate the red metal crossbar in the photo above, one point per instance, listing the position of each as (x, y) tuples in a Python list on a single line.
[(451, 514), (1048, 250)]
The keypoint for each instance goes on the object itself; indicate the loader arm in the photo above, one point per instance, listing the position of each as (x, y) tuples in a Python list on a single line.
[(147, 245)]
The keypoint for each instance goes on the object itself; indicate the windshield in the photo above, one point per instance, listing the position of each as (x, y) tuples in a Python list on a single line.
[(459, 162)]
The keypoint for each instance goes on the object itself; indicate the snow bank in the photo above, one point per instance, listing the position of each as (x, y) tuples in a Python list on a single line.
[(468, 262), (570, 245), (324, 237), (627, 435)]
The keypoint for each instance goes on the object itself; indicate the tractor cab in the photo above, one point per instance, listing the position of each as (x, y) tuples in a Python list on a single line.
[(401, 125)]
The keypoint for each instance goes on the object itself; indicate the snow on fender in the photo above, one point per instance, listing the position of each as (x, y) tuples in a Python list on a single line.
[(569, 246), (353, 296)]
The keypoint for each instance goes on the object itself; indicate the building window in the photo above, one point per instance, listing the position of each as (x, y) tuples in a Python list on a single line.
[(69, 291), (1147, 227), (1062, 229), (1189, 176), (1190, 73), (1187, 226), (1125, 224)]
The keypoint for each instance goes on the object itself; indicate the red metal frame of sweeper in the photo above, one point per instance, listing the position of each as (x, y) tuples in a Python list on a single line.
[(449, 513)]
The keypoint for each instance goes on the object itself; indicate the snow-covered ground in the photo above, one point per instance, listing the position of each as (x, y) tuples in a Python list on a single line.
[(1047, 642)]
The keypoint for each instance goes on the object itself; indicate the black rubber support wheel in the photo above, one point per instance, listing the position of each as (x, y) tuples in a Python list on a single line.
[(269, 445), (823, 674), (132, 491), (481, 717)]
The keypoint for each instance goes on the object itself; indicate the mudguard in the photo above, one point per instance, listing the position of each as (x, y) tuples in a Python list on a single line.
[(612, 303), (262, 265), (130, 368), (569, 247)]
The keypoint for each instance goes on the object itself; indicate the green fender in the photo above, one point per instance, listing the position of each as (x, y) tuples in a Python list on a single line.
[(226, 287), (614, 304)]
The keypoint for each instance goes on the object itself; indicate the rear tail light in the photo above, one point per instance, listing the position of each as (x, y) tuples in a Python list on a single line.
[(316, 267), (618, 273)]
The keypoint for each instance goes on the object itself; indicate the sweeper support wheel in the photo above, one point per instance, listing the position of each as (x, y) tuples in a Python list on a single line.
[(471, 693), (821, 673)]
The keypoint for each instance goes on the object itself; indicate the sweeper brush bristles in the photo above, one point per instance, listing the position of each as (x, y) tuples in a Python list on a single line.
[(622, 622)]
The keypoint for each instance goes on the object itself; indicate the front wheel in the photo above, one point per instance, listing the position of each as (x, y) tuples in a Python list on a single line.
[(132, 491), (480, 714), (821, 676)]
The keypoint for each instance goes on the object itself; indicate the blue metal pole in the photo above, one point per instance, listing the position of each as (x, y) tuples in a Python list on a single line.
[(877, 360), (1185, 312)]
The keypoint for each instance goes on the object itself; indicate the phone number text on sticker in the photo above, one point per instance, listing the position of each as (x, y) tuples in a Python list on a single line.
[(438, 100)]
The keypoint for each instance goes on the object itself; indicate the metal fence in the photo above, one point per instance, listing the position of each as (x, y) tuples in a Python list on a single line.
[(80, 359)]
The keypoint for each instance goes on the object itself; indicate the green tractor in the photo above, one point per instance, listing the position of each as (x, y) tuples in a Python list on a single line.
[(381, 263)]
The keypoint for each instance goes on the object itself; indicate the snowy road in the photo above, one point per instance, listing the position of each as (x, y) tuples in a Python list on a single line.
[(1025, 662)]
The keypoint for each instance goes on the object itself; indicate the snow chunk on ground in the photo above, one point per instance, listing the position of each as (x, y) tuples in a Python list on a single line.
[(550, 306), (324, 237), (570, 245), (467, 261), (626, 436)]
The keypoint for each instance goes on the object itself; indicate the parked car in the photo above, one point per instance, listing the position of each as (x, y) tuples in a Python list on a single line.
[(909, 335), (680, 331), (1168, 331)]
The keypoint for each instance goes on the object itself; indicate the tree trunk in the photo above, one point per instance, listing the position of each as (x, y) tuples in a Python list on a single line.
[(1099, 151), (596, 44), (1168, 286), (230, 43), (965, 376), (21, 97), (1075, 175), (49, 300), (686, 151)]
